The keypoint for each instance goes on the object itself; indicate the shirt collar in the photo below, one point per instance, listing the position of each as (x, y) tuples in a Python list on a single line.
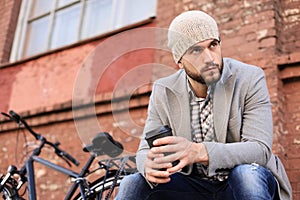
[(192, 95)]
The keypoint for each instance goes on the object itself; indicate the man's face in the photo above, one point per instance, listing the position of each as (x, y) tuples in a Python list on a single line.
[(203, 62)]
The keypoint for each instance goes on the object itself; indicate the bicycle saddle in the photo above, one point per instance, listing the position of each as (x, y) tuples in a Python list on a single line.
[(104, 144)]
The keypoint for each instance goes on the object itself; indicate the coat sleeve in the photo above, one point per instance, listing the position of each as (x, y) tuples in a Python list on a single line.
[(254, 125), (153, 121)]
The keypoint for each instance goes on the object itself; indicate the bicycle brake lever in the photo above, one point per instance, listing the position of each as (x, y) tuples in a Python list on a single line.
[(66, 160), (15, 117), (64, 155), (11, 118), (70, 158)]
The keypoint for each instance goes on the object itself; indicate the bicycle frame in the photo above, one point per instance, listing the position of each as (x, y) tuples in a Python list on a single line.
[(102, 144), (79, 177)]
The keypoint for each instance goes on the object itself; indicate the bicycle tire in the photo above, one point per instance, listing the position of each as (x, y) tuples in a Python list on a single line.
[(97, 186), (8, 193)]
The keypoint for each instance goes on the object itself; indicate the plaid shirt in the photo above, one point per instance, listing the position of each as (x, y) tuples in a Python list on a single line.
[(202, 128), (202, 125)]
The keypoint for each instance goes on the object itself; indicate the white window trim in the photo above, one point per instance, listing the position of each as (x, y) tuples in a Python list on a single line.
[(21, 28), (20, 34)]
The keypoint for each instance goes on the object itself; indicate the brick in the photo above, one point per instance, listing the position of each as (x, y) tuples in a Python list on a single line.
[(268, 42), (259, 32)]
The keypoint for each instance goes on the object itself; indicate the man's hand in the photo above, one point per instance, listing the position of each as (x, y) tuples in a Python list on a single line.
[(153, 174), (181, 149)]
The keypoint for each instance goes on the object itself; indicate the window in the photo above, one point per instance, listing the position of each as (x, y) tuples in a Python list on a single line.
[(45, 25)]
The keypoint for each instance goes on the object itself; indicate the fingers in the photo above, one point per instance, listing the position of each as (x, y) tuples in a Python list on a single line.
[(176, 168), (157, 176), (175, 164), (165, 151), (173, 149), (152, 161), (177, 148), (151, 155), (168, 144), (164, 140), (153, 169)]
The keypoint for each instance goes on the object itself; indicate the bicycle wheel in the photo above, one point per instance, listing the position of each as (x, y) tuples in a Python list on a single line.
[(99, 187)]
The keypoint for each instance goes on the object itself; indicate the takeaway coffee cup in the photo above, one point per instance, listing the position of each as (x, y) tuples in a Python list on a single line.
[(161, 132)]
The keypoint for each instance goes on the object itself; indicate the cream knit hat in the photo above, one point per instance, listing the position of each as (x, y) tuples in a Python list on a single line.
[(188, 29)]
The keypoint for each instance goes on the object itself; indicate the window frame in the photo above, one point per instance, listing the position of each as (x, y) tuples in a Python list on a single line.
[(22, 29)]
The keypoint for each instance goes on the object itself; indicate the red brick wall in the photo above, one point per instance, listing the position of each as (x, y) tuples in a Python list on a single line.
[(42, 82), (292, 145), (263, 33), (287, 21), (9, 15), (288, 46), (289, 138), (49, 80)]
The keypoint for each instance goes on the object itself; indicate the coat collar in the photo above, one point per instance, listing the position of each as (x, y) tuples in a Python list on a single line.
[(178, 103), (176, 82), (222, 100), (223, 92)]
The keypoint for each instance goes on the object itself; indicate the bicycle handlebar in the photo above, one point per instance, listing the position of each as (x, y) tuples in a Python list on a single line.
[(17, 118), (64, 155)]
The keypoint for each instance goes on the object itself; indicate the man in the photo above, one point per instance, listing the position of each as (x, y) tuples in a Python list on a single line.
[(220, 114)]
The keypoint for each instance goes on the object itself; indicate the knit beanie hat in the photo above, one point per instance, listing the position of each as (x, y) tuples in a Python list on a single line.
[(188, 29)]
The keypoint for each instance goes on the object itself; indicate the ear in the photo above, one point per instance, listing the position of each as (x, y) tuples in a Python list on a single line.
[(180, 64)]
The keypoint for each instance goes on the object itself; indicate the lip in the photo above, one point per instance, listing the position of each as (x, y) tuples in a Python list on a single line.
[(209, 69)]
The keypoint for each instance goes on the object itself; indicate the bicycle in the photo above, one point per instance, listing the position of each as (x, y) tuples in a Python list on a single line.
[(103, 144)]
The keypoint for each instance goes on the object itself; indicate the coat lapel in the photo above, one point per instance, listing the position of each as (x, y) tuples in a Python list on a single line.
[(180, 110), (179, 106), (222, 99)]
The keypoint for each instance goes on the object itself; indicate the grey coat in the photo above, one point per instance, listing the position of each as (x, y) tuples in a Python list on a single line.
[(242, 119)]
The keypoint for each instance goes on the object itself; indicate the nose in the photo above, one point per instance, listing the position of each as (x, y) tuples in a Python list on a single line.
[(208, 56)]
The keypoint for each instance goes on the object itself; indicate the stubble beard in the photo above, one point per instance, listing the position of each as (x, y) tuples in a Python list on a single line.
[(211, 78)]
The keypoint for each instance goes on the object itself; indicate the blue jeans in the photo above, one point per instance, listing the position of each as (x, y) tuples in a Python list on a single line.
[(248, 181)]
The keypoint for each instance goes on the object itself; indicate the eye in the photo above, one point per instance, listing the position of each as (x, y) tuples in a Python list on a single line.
[(214, 44), (196, 50)]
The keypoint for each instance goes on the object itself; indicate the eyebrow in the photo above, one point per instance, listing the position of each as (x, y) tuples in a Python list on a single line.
[(201, 47)]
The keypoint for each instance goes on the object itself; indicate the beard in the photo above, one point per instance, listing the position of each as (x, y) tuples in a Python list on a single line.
[(206, 75)]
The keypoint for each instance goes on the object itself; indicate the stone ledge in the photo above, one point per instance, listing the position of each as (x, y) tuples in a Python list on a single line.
[(288, 58), (104, 103)]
